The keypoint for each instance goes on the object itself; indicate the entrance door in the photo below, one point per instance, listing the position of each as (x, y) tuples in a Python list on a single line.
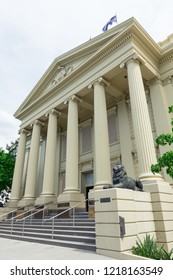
[(87, 193), (89, 184)]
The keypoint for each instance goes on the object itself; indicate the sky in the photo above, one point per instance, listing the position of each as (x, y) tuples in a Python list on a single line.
[(34, 32)]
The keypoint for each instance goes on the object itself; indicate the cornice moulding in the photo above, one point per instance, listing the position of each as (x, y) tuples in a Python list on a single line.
[(166, 58)]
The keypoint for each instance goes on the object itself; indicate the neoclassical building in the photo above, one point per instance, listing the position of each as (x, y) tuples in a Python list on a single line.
[(102, 103)]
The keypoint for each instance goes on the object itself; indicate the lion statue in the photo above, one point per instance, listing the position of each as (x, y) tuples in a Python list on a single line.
[(121, 180)]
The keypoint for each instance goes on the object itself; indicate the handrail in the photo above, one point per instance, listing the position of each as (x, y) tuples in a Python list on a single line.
[(16, 209), (30, 210), (57, 215), (39, 210), (68, 209)]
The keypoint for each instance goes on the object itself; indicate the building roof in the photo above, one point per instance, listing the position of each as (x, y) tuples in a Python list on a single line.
[(70, 66)]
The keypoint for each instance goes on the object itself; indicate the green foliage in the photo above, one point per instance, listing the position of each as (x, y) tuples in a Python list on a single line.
[(166, 160), (12, 148), (150, 249), (7, 162)]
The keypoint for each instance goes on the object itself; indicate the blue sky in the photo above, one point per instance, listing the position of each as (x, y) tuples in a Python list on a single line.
[(34, 32)]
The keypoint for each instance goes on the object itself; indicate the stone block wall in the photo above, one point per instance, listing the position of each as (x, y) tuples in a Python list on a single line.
[(136, 210)]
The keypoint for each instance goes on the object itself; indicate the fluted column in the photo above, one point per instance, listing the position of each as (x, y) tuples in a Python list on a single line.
[(125, 138), (71, 178), (71, 192), (101, 138), (18, 170), (141, 121), (48, 191), (161, 115), (31, 177)]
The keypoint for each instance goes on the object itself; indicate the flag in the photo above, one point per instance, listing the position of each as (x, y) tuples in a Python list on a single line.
[(113, 19)]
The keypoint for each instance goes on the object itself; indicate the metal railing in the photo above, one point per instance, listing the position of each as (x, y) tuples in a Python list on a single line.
[(45, 207), (12, 212), (32, 213), (65, 211)]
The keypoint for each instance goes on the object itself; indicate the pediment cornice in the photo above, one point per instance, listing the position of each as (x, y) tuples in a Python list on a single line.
[(58, 75)]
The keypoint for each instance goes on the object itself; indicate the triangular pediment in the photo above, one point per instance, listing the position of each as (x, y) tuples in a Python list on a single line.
[(62, 71), (67, 64)]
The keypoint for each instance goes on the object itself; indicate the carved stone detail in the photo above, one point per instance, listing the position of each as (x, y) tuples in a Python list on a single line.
[(63, 71)]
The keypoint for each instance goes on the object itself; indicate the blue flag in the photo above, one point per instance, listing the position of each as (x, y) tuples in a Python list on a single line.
[(113, 19)]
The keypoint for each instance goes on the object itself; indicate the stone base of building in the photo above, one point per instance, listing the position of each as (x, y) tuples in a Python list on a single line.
[(162, 204), (122, 216), (49, 200), (3, 212), (27, 202), (12, 204), (71, 199)]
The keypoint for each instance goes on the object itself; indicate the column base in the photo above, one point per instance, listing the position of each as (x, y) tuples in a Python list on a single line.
[(101, 184), (27, 202), (144, 177), (71, 198), (13, 203), (4, 212), (47, 199)]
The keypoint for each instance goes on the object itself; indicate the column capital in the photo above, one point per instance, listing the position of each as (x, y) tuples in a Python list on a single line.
[(155, 81), (37, 122), (23, 130), (74, 98), (53, 112), (135, 58), (99, 80), (113, 110), (168, 80)]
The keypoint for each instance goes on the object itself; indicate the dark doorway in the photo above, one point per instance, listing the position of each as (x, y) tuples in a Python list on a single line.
[(87, 183), (88, 188)]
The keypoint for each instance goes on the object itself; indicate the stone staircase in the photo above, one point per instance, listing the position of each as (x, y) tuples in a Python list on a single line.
[(75, 232)]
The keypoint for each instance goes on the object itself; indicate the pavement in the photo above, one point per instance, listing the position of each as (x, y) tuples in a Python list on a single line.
[(21, 250)]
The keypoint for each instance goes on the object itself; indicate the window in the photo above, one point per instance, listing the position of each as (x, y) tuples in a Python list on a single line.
[(86, 144), (64, 144), (63, 182), (112, 128)]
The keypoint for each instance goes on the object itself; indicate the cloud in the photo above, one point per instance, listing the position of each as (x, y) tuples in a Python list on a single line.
[(9, 127)]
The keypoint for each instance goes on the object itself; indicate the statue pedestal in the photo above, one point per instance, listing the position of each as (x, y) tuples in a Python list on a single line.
[(122, 216)]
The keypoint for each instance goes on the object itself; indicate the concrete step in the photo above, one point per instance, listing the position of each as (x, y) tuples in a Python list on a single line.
[(41, 230), (63, 243), (48, 235), (56, 227), (77, 233), (64, 220)]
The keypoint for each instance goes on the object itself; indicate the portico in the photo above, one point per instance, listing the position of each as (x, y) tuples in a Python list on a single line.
[(92, 108)]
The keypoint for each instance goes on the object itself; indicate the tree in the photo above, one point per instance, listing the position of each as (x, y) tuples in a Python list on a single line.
[(166, 160), (12, 148), (7, 162)]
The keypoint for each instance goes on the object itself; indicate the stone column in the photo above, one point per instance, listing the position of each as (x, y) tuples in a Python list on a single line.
[(101, 138), (48, 190), (141, 121), (29, 196), (72, 147), (161, 115), (18, 170), (168, 88), (125, 138), (71, 192)]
